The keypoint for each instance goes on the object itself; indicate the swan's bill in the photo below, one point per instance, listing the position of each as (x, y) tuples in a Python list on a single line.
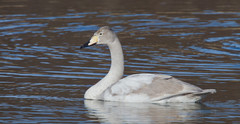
[(92, 42)]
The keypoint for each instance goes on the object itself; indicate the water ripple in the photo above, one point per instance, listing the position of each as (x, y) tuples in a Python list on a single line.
[(44, 74)]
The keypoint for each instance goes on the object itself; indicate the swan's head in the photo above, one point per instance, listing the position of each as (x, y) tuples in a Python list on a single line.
[(104, 35)]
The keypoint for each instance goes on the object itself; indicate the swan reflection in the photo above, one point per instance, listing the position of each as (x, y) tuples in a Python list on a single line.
[(147, 113)]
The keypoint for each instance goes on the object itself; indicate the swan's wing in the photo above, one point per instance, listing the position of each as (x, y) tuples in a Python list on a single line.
[(149, 87)]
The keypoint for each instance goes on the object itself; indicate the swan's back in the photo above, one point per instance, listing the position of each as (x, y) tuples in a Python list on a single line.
[(154, 88)]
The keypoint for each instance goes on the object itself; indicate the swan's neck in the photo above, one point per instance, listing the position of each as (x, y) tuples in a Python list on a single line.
[(115, 73)]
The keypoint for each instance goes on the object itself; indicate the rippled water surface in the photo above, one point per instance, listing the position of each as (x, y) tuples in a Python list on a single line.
[(44, 74)]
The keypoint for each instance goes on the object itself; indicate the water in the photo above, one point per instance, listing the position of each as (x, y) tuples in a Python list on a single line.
[(44, 74)]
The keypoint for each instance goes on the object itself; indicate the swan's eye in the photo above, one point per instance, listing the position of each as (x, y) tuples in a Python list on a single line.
[(100, 33)]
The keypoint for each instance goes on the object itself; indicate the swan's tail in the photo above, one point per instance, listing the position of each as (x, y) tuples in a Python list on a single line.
[(188, 97), (207, 91)]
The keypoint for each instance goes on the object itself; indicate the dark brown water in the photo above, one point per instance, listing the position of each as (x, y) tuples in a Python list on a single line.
[(44, 74)]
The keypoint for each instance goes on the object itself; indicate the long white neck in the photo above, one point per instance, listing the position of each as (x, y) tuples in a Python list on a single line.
[(115, 73)]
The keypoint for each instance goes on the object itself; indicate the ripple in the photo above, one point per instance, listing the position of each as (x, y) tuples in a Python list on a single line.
[(232, 45), (212, 51), (47, 75), (79, 28), (11, 58), (39, 97), (215, 39)]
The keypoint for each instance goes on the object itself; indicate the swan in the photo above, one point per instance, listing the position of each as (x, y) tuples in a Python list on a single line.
[(144, 87)]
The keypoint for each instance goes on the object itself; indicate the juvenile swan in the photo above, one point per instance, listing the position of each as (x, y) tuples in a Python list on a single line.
[(152, 88)]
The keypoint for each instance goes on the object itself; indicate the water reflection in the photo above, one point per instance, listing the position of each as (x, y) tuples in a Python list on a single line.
[(119, 113)]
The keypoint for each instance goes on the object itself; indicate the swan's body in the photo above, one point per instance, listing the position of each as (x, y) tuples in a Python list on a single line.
[(154, 88)]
